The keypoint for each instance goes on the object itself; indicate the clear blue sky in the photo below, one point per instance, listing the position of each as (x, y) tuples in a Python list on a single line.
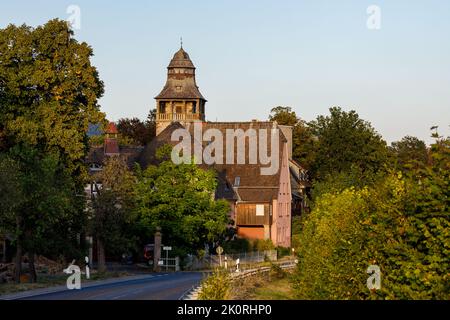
[(254, 55)]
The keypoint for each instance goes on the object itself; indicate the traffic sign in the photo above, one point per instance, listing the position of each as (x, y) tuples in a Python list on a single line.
[(167, 248), (219, 250)]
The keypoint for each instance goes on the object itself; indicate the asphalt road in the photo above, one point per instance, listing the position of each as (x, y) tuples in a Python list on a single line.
[(158, 286)]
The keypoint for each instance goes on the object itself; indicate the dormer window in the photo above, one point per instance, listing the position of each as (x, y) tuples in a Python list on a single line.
[(178, 88)]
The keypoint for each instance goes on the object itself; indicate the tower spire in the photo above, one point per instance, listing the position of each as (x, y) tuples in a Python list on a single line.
[(180, 100)]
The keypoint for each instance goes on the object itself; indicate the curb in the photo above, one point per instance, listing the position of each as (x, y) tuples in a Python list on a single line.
[(191, 294)]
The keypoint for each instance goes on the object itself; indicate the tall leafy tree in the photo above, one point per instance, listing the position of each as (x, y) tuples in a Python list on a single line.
[(48, 91), (408, 153), (346, 142), (302, 138), (138, 131), (179, 199), (283, 115), (42, 198), (48, 96)]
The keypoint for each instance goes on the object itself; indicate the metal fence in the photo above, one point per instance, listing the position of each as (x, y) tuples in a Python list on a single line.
[(169, 264), (229, 260)]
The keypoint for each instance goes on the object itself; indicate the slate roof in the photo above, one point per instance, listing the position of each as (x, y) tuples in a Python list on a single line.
[(180, 85), (188, 91), (181, 60)]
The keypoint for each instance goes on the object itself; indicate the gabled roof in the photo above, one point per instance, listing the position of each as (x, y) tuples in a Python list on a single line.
[(111, 128), (253, 186)]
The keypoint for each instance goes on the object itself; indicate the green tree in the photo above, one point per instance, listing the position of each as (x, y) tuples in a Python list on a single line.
[(344, 141), (48, 96), (137, 131), (43, 195), (409, 153), (400, 223), (284, 116), (180, 200), (112, 209), (48, 91), (302, 138), (10, 191)]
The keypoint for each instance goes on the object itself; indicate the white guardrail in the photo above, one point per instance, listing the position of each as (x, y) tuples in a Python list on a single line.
[(192, 294)]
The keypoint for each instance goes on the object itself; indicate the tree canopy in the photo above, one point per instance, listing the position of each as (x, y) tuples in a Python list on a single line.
[(49, 95), (410, 152), (345, 142), (48, 91), (302, 138), (138, 131), (400, 223), (179, 199)]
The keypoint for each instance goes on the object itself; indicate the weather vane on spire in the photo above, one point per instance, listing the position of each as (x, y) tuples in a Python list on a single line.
[(181, 42)]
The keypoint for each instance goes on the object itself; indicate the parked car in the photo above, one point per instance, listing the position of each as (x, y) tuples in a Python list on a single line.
[(149, 251)]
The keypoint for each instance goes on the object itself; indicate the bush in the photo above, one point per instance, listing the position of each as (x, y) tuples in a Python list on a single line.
[(276, 272), (237, 245), (282, 252), (261, 245), (217, 286)]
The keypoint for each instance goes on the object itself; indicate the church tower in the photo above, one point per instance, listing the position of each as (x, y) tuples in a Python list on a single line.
[(180, 100)]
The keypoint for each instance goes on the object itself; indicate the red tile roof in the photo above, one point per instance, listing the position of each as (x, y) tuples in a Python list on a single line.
[(111, 128)]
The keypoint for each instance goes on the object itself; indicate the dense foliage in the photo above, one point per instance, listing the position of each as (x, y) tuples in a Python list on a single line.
[(400, 223), (345, 141), (217, 286), (137, 131), (303, 140), (408, 153), (48, 96)]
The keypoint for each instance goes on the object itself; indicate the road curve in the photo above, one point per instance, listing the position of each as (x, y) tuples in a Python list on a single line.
[(157, 286)]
